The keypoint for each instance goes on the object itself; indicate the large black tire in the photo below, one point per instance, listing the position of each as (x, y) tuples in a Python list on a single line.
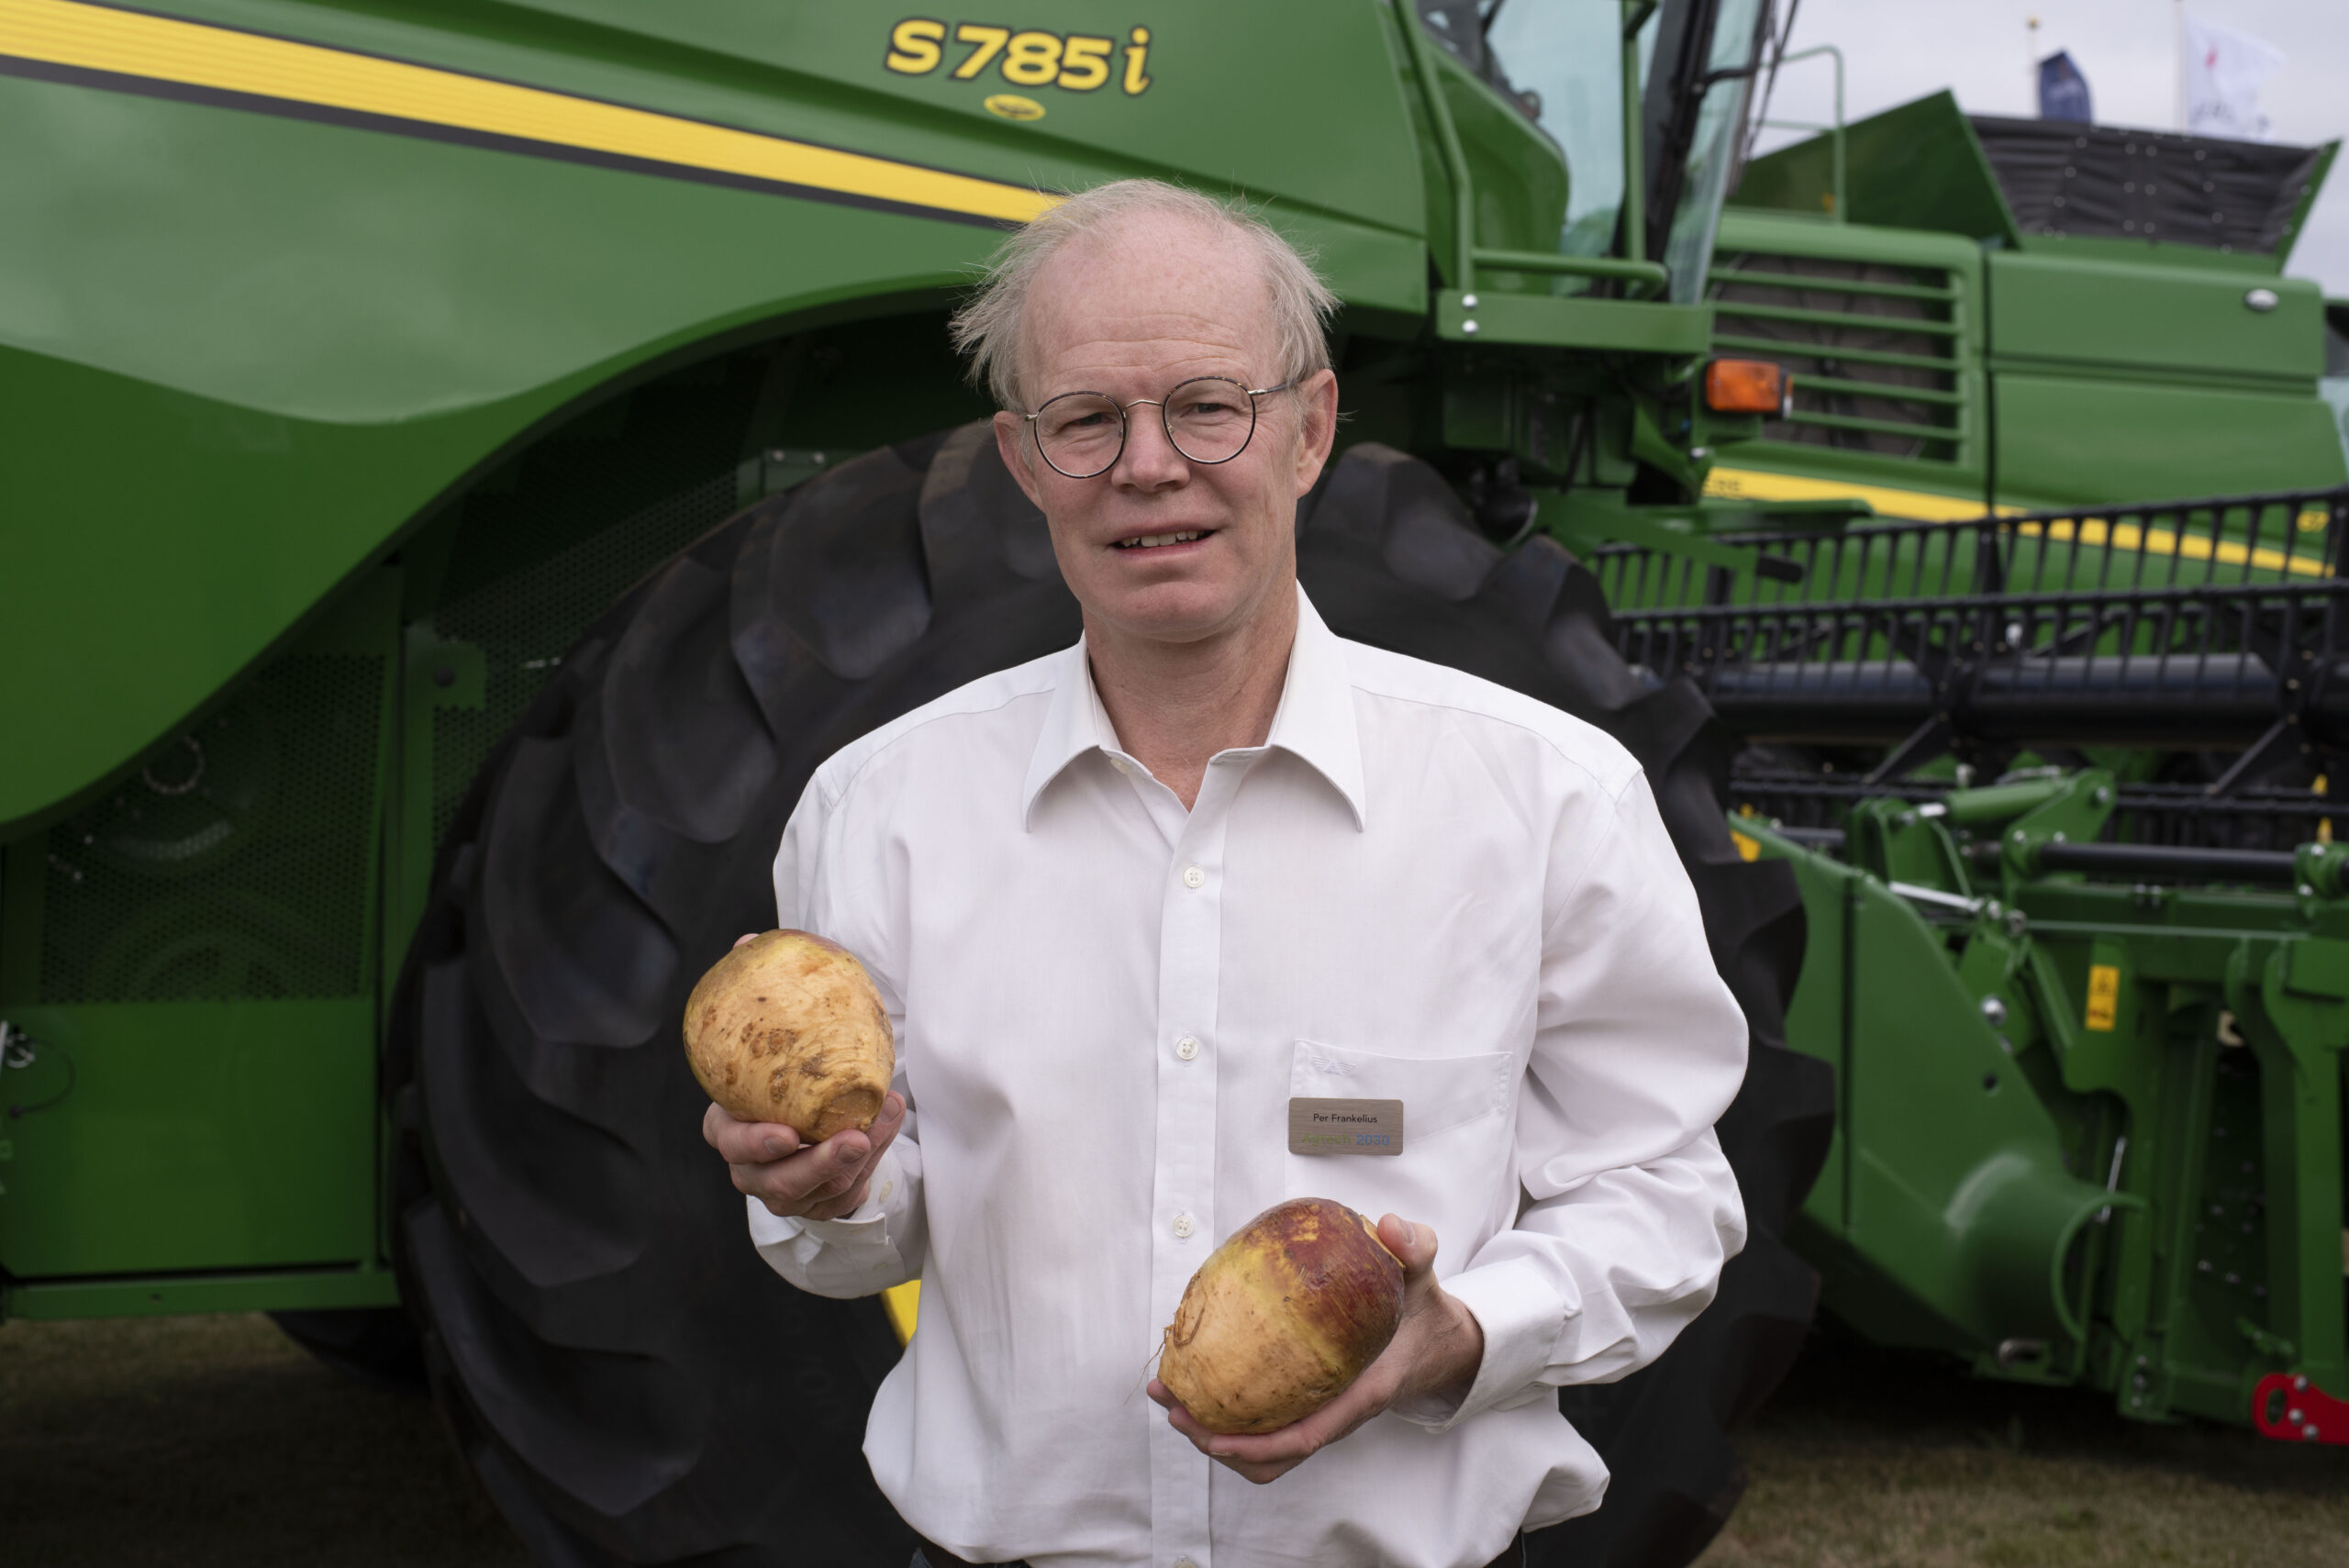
[(374, 1345), (630, 1381)]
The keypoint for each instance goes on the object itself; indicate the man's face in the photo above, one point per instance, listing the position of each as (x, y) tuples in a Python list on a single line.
[(1134, 316)]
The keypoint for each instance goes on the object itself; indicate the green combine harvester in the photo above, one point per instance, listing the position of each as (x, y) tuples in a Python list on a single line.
[(467, 464)]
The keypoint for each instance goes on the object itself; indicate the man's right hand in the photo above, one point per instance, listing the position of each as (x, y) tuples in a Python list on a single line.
[(823, 1181)]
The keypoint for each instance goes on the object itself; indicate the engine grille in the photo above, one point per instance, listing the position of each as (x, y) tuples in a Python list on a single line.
[(1874, 349)]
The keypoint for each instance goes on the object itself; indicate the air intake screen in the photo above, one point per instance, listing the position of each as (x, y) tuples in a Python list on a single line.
[(1873, 349), (234, 863), (523, 620)]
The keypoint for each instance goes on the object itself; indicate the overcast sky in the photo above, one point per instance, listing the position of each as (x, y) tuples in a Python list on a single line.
[(1895, 51)]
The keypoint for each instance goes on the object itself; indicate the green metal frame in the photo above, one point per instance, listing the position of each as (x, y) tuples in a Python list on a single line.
[(2089, 1133)]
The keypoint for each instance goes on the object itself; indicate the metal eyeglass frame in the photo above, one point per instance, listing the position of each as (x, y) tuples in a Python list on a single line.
[(1252, 393)]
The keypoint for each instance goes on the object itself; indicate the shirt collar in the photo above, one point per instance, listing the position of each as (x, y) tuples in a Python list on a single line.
[(1315, 722)]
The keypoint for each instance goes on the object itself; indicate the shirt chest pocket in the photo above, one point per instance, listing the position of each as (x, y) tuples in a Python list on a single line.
[(1455, 1137)]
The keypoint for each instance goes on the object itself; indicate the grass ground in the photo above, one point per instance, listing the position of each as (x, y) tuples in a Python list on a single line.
[(202, 1442), (1867, 1459), (196, 1441)]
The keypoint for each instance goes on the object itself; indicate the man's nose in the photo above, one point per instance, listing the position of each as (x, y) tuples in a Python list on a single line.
[(1151, 462)]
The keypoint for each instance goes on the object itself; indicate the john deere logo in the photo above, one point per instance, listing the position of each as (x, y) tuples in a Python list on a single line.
[(1012, 106)]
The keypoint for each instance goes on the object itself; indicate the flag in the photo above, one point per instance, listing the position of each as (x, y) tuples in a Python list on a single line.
[(2063, 90), (2223, 69)]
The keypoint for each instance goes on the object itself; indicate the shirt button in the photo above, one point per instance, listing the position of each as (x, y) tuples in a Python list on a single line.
[(1122, 764), (1193, 877), (886, 1189), (1186, 1048), (1183, 1225), (1185, 1562)]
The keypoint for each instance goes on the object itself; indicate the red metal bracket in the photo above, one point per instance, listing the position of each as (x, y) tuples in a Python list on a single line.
[(2302, 1411)]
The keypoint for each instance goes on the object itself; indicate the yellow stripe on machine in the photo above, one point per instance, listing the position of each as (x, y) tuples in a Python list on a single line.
[(1915, 506), (1924, 506), (71, 34), (2096, 531)]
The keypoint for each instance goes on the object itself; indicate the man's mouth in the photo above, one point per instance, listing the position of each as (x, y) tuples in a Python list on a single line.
[(1155, 541)]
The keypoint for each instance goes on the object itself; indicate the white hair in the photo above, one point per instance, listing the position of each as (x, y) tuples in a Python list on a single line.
[(988, 329)]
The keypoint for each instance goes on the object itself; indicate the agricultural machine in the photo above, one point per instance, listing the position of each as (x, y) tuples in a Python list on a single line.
[(548, 453)]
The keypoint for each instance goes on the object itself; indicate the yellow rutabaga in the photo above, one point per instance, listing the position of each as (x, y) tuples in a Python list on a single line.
[(1281, 1317), (787, 1028)]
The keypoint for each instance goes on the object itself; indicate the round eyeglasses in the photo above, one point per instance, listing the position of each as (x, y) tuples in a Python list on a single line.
[(1208, 419)]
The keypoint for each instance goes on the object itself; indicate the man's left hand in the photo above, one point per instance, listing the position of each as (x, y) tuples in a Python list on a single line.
[(1436, 1350)]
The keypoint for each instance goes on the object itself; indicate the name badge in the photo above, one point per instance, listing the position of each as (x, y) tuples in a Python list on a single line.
[(1344, 1127)]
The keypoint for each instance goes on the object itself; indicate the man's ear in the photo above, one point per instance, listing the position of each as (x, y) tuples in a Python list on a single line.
[(1011, 441), (1317, 405)]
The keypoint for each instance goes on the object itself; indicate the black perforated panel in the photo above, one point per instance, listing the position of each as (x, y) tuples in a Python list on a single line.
[(2122, 183), (234, 863), (523, 621)]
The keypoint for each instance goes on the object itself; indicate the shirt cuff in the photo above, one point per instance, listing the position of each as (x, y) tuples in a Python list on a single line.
[(849, 1226), (1522, 1315), (887, 1177), (861, 1252)]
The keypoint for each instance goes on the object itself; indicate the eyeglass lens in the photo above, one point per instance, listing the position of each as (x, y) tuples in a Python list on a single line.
[(1209, 420)]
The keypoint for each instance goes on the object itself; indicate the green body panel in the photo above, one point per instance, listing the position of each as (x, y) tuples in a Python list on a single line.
[(1941, 1226), (206, 1136), (253, 522), (1916, 167), (1342, 144), (2159, 319), (2115, 382), (2076, 439), (2095, 370), (305, 1290), (323, 352), (2139, 373)]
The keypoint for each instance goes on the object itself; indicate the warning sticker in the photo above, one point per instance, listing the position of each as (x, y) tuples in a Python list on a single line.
[(2104, 996)]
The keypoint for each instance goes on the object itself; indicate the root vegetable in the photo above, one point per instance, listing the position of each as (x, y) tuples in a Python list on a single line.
[(1281, 1317), (788, 1027)]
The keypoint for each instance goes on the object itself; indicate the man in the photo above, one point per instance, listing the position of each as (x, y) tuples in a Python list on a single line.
[(1130, 903)]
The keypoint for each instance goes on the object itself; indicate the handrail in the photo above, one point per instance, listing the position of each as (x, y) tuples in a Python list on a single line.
[(1651, 273), (1837, 215), (1632, 268), (1447, 140), (1636, 196)]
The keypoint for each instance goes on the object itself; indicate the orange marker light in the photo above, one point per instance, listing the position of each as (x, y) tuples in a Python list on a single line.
[(1748, 386)]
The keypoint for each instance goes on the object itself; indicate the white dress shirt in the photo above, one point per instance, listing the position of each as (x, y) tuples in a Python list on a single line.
[(1422, 887)]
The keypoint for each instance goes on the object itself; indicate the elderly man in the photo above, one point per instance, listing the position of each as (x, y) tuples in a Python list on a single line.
[(1131, 903)]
